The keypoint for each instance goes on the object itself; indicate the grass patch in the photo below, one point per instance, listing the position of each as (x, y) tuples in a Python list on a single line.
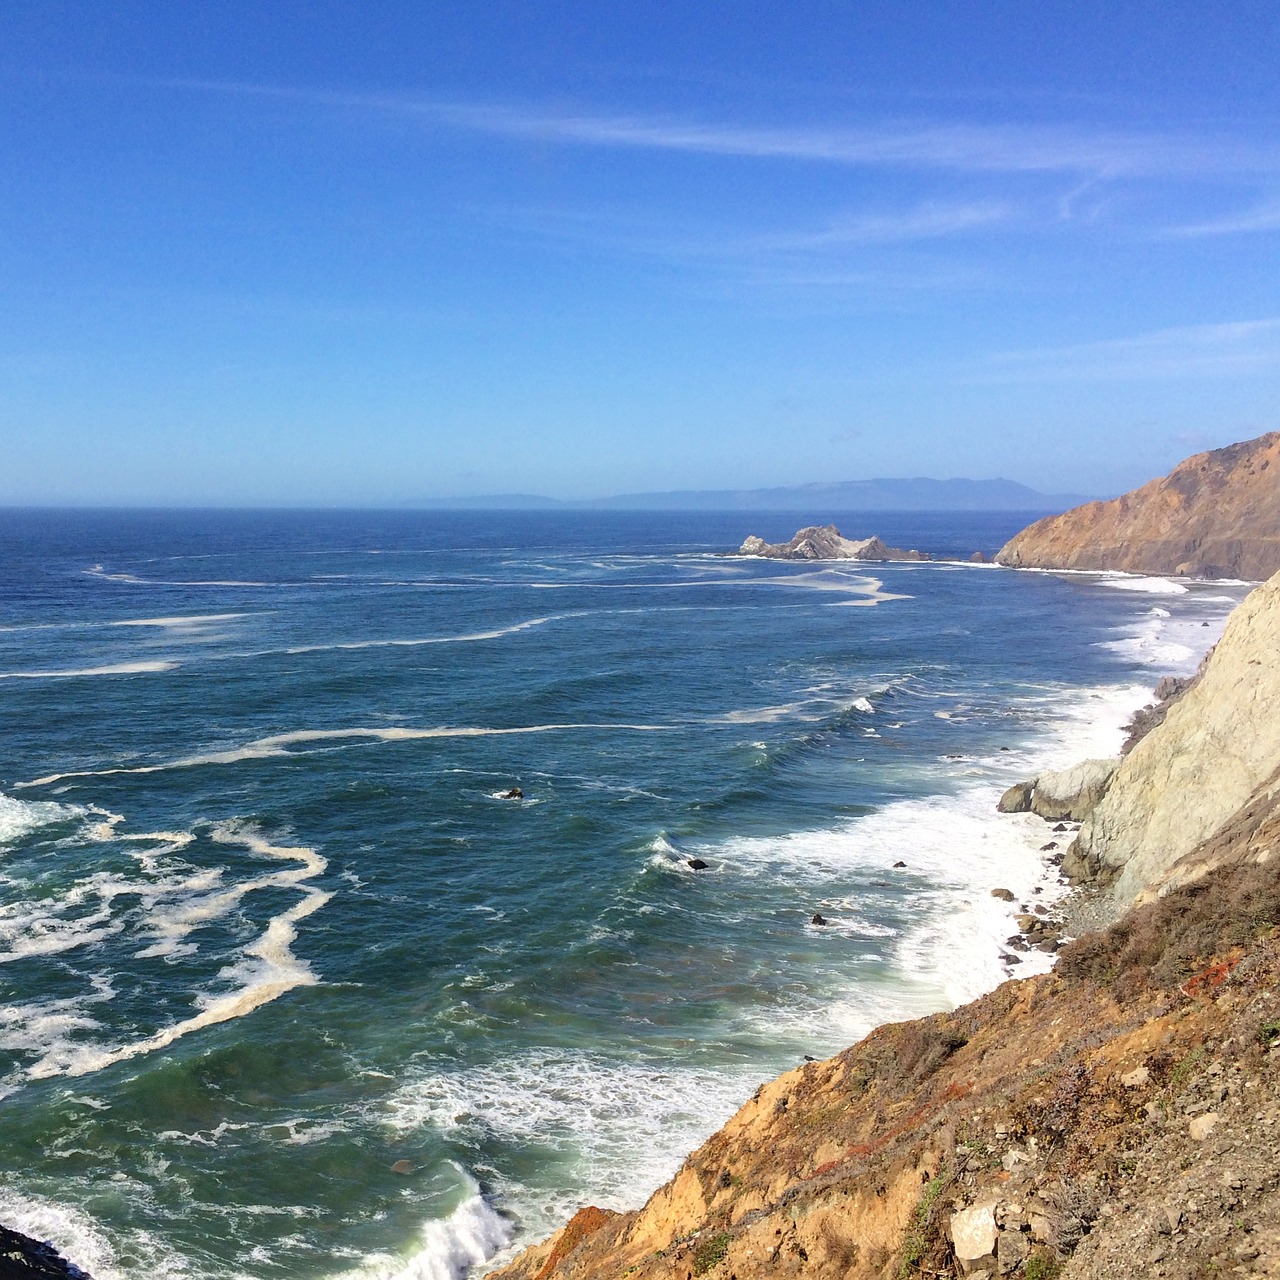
[(711, 1252), (920, 1237)]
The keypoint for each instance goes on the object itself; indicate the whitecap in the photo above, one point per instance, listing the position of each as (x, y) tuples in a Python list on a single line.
[(110, 669), (1147, 586)]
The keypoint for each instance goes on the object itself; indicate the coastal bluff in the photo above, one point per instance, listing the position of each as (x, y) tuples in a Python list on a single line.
[(826, 542), (1118, 1116), (1216, 515)]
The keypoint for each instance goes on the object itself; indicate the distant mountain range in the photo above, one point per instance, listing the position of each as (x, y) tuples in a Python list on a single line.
[(918, 494)]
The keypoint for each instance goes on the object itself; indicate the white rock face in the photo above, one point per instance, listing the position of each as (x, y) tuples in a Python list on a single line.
[(973, 1233), (1183, 781), (1073, 793)]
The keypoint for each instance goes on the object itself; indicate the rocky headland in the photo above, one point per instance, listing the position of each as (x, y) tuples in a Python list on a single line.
[(1117, 1117), (1216, 515), (826, 542)]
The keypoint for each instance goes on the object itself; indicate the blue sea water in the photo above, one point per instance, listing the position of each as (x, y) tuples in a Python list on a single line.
[(290, 989)]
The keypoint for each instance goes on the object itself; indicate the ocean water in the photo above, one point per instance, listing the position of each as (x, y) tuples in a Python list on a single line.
[(289, 989)]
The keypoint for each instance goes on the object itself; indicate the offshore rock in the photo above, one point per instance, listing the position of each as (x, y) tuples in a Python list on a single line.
[(1216, 515), (826, 542)]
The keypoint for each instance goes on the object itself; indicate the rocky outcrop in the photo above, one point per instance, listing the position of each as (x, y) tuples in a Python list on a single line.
[(825, 542), (1072, 793), (1182, 783), (1216, 515), (24, 1258)]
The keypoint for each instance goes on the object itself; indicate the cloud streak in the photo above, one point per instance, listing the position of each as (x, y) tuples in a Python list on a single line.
[(1194, 351), (956, 146)]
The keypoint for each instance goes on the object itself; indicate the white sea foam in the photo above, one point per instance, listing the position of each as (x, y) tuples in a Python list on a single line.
[(473, 1233), (1148, 586), (266, 970), (626, 1125), (278, 745), (110, 669), (19, 818), (495, 633), (180, 622)]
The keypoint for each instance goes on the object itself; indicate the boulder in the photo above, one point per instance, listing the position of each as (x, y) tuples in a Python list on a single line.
[(697, 864), (973, 1236), (818, 919), (1018, 798), (1005, 895), (1073, 793)]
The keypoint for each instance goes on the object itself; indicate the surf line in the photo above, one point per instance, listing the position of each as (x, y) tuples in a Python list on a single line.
[(278, 745), (276, 971)]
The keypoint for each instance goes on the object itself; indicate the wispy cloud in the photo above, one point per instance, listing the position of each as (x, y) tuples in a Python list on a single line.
[(960, 146), (929, 221), (1261, 218), (1194, 351)]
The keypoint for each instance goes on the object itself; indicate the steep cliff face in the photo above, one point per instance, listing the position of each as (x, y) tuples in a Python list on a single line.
[(1216, 515), (1184, 782)]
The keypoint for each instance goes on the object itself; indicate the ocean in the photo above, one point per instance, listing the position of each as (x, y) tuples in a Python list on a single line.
[(292, 987)]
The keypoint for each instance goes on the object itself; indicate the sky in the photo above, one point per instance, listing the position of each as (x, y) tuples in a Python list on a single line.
[(350, 254)]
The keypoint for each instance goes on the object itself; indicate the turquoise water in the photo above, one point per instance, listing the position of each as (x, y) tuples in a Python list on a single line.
[(268, 929)]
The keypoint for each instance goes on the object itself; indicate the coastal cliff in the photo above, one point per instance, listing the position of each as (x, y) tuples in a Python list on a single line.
[(1118, 1116), (826, 542), (1216, 515)]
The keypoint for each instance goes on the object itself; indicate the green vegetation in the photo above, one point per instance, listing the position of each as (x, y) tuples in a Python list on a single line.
[(710, 1252), (918, 1239), (1269, 1031), (1041, 1266)]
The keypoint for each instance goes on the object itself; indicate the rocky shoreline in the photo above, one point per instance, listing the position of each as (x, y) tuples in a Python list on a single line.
[(1117, 1116)]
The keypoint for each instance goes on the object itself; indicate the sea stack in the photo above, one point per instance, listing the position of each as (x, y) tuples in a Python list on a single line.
[(826, 542)]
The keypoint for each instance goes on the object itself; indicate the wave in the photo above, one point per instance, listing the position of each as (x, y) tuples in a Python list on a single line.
[(1147, 586), (626, 1125), (278, 745), (472, 1234), (18, 818), (180, 622), (113, 669), (495, 634)]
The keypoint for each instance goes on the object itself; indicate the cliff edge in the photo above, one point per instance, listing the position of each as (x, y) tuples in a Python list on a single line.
[(1216, 515)]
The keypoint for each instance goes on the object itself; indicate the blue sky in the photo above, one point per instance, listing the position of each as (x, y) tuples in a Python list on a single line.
[(274, 253)]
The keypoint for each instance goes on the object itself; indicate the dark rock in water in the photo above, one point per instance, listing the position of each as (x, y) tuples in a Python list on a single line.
[(1009, 958), (22, 1258), (697, 864), (1062, 826), (1004, 748), (899, 864), (1005, 895), (1017, 799), (402, 1166), (1047, 848), (808, 1057), (817, 919), (978, 557), (514, 794)]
